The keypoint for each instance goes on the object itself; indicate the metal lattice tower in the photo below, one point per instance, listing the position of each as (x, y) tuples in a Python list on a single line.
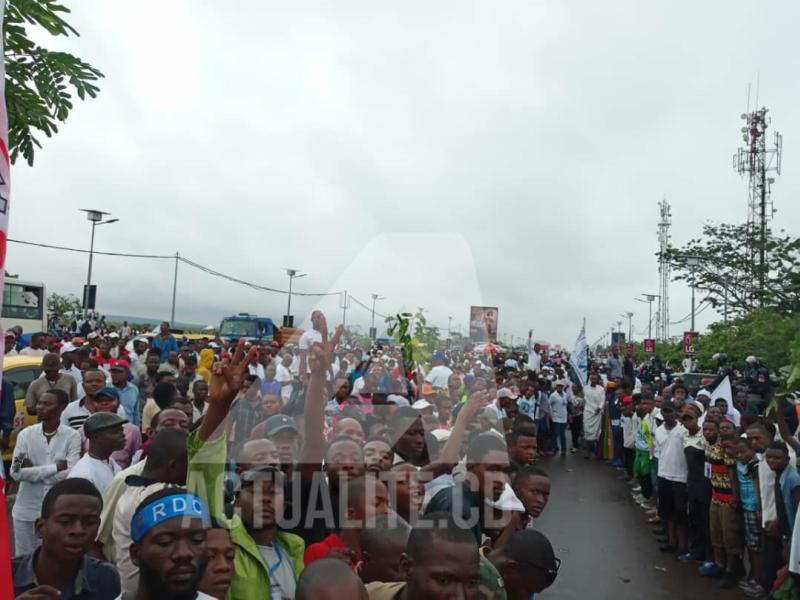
[(662, 318), (756, 160)]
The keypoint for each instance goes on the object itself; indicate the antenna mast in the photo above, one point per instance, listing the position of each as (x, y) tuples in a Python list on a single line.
[(662, 318), (756, 160)]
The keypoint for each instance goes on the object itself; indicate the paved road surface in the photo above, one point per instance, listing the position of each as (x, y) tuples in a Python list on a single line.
[(608, 551)]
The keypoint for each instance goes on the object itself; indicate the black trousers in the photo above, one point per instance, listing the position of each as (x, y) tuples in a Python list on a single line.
[(576, 428), (772, 557), (699, 533)]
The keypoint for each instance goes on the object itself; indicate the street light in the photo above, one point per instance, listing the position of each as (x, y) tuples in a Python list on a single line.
[(693, 262), (649, 300), (96, 217), (629, 315), (373, 333), (288, 320)]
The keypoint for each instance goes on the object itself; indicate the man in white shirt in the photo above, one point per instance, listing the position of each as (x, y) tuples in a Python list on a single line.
[(35, 347), (106, 436), (439, 374), (283, 375), (534, 358), (94, 385), (673, 495), (308, 339), (43, 455)]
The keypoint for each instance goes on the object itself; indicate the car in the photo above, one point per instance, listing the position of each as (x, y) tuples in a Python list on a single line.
[(695, 381), (22, 371)]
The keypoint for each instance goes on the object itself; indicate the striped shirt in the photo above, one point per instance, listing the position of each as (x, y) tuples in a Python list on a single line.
[(76, 413)]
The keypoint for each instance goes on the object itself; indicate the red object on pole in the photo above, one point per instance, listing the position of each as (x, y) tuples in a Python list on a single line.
[(689, 339)]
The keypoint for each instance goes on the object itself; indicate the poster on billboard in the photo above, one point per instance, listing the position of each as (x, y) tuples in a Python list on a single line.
[(689, 340), (483, 324), (649, 346)]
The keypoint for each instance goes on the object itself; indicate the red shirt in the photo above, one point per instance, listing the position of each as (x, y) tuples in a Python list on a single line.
[(321, 550)]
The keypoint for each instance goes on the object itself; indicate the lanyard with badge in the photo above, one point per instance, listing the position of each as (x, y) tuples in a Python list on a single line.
[(275, 586)]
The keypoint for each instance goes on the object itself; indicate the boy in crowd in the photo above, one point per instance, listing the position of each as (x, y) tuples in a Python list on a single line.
[(532, 486), (61, 566), (749, 496), (726, 535)]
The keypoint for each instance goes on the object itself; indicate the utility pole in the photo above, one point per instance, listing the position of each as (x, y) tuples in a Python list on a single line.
[(174, 289), (449, 326), (648, 298), (96, 217), (344, 306), (288, 320), (665, 222), (693, 262)]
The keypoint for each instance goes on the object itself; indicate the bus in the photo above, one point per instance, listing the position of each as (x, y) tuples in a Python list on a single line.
[(24, 304)]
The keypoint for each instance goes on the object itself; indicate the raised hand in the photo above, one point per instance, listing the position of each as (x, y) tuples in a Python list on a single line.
[(320, 354), (226, 378)]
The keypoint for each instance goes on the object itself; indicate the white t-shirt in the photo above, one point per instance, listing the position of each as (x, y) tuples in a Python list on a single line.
[(99, 472), (283, 374), (283, 576), (308, 339), (438, 376), (534, 362), (671, 459)]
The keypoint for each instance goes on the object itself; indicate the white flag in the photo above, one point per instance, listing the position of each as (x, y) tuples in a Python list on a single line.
[(580, 355), (724, 391)]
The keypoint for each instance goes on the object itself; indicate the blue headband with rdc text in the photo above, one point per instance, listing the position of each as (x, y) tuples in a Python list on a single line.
[(165, 508)]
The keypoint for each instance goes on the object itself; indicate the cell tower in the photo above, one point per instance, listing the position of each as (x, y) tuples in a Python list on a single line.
[(756, 160), (662, 319)]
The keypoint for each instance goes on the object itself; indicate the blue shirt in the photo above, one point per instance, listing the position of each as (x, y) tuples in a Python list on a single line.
[(789, 480), (96, 580), (272, 388), (129, 400), (164, 346), (747, 491)]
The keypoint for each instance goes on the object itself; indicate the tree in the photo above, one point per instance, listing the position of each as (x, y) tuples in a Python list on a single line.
[(59, 306), (763, 333), (727, 273), (40, 83)]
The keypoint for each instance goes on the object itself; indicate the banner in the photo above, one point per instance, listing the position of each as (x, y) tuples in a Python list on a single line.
[(689, 339), (580, 356), (483, 324), (6, 583), (649, 346)]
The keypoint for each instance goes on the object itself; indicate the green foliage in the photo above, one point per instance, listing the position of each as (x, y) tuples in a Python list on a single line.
[(793, 381), (61, 306), (400, 327), (764, 333), (40, 83), (727, 269)]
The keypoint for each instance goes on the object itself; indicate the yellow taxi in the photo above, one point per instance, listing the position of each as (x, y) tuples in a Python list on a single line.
[(21, 371)]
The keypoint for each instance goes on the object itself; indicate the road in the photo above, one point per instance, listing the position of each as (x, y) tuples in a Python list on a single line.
[(607, 549)]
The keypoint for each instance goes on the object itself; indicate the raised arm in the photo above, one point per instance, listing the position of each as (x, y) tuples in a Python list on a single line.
[(225, 383), (319, 357), (451, 453)]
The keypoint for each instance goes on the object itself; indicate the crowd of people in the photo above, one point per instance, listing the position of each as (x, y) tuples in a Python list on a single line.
[(166, 468)]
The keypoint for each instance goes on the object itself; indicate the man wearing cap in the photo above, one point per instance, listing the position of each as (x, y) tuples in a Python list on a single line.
[(505, 398), (128, 393), (170, 545), (133, 436), (106, 436), (97, 394), (51, 379), (440, 373), (307, 340), (282, 431), (526, 563), (11, 344)]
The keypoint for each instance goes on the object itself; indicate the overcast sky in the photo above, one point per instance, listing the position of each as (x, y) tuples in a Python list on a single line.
[(440, 154)]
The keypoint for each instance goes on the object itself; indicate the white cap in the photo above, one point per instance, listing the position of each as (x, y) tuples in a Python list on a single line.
[(113, 334), (506, 393), (397, 399), (67, 348), (441, 435), (421, 404), (92, 335)]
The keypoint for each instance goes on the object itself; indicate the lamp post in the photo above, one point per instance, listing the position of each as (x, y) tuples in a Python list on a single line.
[(373, 333), (693, 262), (96, 217), (648, 298), (293, 274), (629, 315)]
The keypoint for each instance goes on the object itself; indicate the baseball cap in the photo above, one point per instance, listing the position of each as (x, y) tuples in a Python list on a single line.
[(507, 393), (109, 392), (397, 399), (100, 421), (67, 348), (118, 365), (627, 400), (441, 435), (438, 355), (92, 335), (277, 423), (78, 341), (113, 334), (531, 547), (421, 404)]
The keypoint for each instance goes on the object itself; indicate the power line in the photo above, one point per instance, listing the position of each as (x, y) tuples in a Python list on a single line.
[(184, 260), (369, 308)]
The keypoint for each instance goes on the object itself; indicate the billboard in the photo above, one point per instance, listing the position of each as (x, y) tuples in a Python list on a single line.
[(483, 324), (649, 346), (689, 340)]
